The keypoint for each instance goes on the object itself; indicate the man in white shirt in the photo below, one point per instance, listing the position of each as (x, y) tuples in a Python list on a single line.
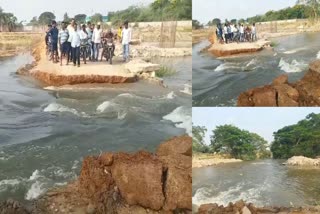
[(241, 33), (75, 39), (126, 39), (70, 29), (96, 39), (253, 33)]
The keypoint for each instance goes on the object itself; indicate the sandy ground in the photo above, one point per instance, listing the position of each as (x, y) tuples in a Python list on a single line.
[(198, 161)]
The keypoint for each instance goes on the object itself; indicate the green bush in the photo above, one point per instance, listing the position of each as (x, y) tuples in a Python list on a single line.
[(165, 71)]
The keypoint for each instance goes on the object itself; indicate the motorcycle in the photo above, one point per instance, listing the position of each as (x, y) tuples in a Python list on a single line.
[(85, 50), (107, 50)]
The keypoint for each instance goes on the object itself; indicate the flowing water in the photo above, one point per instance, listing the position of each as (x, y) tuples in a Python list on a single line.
[(263, 182), (219, 82), (46, 132)]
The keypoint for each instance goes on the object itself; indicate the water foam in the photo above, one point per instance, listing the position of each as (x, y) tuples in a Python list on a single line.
[(318, 55), (9, 182), (226, 66), (55, 107), (292, 67), (103, 106), (233, 194), (181, 116), (294, 51), (35, 190), (171, 95), (187, 89)]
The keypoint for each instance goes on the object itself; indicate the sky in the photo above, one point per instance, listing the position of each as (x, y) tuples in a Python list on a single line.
[(27, 9), (263, 121), (206, 10)]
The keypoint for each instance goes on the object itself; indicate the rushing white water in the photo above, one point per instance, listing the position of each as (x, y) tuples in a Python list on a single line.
[(181, 116), (293, 67), (318, 55)]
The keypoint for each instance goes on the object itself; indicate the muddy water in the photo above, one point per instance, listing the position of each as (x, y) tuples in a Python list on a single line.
[(219, 82), (45, 133), (264, 182)]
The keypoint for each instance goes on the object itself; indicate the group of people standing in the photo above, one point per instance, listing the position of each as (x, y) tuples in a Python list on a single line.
[(236, 33), (70, 38)]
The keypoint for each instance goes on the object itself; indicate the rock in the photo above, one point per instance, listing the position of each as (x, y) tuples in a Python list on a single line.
[(283, 79), (141, 66), (91, 209), (139, 179), (222, 50), (207, 208), (264, 97), (305, 92), (93, 179), (106, 159), (178, 145), (178, 182), (302, 161), (245, 210)]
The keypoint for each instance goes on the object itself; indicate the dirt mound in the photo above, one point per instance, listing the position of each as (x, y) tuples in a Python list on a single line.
[(243, 208), (302, 161), (128, 183), (305, 92)]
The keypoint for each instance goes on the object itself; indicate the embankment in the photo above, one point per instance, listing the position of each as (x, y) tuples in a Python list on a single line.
[(199, 161), (305, 92), (124, 183), (249, 208)]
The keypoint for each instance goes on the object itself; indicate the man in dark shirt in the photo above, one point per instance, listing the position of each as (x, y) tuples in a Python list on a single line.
[(54, 33)]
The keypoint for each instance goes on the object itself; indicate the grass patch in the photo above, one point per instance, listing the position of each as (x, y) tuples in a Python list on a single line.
[(165, 72), (273, 44)]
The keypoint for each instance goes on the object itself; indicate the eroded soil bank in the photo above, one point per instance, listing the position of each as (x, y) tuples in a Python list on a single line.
[(123, 183), (305, 92)]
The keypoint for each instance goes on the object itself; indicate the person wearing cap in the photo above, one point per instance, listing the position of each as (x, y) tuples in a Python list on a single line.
[(126, 39), (96, 39), (54, 34)]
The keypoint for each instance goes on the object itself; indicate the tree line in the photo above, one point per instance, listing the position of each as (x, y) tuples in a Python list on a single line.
[(304, 9), (8, 21), (231, 140), (159, 10), (301, 139)]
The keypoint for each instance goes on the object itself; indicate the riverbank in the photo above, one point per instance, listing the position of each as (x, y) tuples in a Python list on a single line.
[(249, 208), (204, 160), (305, 92), (124, 183)]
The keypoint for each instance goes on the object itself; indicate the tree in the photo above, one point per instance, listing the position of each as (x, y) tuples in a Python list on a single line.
[(66, 18), (242, 144), (196, 24), (80, 18), (198, 134), (8, 21), (96, 18), (233, 21), (46, 18), (34, 21), (302, 138), (314, 5)]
